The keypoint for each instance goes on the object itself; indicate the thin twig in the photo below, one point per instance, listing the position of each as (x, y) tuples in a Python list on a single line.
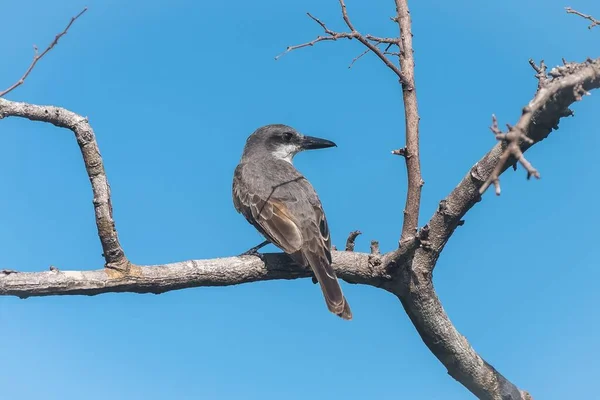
[(369, 41), (594, 21), (37, 57), (358, 57)]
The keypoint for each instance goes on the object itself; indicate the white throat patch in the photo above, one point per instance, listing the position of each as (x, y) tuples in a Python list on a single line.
[(285, 152)]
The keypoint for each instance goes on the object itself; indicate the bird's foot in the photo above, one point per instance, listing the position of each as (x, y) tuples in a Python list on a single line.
[(254, 251)]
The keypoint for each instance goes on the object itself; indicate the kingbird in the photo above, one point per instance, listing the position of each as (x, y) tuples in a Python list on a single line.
[(284, 207)]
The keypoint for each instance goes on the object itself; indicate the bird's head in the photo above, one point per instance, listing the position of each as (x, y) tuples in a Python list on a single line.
[(282, 142)]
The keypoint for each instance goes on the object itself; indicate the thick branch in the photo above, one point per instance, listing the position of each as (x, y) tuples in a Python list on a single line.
[(415, 287), (452, 349), (37, 57), (62, 118), (349, 266), (538, 119), (411, 114)]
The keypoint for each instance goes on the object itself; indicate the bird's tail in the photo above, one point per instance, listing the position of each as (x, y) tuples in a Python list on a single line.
[(332, 291)]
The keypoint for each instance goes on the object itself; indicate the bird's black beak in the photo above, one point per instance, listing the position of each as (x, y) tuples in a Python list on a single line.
[(311, 143)]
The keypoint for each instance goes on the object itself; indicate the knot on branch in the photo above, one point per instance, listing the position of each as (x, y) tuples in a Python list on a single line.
[(371, 43), (423, 238)]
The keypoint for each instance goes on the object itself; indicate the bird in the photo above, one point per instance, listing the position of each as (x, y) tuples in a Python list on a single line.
[(284, 207)]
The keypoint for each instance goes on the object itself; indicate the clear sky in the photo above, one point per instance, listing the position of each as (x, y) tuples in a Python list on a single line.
[(173, 88)]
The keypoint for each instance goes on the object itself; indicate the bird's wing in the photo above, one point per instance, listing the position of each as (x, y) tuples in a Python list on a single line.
[(269, 216), (292, 218)]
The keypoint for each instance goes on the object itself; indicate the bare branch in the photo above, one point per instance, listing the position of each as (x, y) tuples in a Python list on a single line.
[(37, 57), (414, 286), (331, 36), (573, 78), (540, 117), (594, 21), (358, 57), (451, 348), (368, 41), (86, 139), (411, 114), (351, 267), (379, 40), (351, 239)]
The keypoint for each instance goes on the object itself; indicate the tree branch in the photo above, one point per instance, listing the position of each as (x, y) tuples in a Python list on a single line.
[(62, 118), (37, 57), (452, 349), (349, 266), (411, 120), (538, 119), (414, 286), (369, 41), (594, 21)]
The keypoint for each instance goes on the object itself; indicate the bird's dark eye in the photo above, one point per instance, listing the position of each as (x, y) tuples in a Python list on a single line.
[(287, 136)]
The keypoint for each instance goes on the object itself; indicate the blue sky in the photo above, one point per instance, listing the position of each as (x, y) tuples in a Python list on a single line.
[(173, 88)]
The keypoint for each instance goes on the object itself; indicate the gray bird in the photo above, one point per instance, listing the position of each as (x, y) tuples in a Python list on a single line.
[(283, 206)]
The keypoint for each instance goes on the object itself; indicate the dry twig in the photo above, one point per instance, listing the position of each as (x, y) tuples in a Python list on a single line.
[(594, 21), (370, 41), (37, 57)]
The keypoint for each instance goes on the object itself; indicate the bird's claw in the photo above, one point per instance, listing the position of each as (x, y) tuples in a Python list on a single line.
[(253, 252)]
